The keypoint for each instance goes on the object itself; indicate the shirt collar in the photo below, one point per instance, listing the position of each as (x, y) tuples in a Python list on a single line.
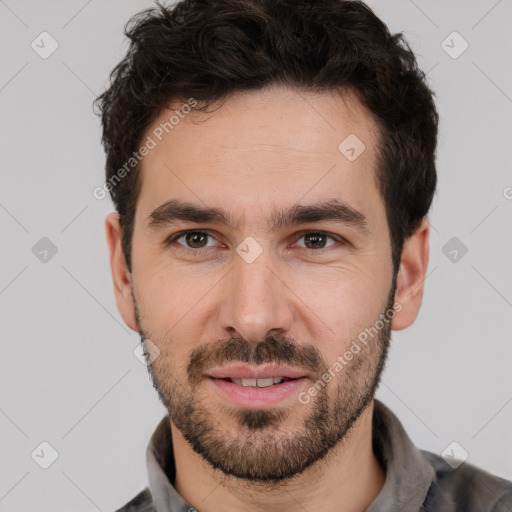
[(408, 473)]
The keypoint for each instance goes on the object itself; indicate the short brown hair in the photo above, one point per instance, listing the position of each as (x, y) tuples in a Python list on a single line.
[(209, 49)]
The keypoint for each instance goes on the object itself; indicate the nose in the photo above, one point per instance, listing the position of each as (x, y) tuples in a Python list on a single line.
[(256, 300)]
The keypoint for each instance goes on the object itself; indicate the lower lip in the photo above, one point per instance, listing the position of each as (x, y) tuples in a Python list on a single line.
[(257, 398)]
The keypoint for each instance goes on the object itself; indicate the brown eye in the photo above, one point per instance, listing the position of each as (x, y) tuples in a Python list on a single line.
[(196, 240), (316, 240), (192, 240)]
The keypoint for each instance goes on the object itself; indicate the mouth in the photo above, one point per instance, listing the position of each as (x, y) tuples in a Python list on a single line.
[(258, 383), (257, 387)]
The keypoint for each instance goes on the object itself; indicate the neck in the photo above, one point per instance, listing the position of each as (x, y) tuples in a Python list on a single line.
[(348, 479)]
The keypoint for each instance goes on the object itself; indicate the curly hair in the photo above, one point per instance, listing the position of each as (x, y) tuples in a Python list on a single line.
[(208, 50)]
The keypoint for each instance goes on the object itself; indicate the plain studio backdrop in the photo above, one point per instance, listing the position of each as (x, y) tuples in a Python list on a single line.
[(68, 373)]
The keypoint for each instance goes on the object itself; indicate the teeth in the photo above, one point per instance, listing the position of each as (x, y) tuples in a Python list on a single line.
[(264, 383), (260, 383)]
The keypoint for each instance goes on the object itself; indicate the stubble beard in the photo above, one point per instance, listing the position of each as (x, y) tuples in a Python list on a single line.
[(259, 449)]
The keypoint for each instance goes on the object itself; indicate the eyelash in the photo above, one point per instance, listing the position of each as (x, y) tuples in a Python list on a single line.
[(173, 240)]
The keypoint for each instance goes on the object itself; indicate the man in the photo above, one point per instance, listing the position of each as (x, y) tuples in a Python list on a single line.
[(272, 164)]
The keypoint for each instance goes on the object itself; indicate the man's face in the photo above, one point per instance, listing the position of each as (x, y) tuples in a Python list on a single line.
[(261, 292)]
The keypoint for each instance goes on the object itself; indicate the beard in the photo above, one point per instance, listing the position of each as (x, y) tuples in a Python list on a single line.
[(259, 449)]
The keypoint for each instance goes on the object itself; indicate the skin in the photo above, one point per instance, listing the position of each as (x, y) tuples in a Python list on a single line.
[(261, 151)]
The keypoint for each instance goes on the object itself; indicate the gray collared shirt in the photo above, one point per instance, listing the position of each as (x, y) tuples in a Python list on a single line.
[(416, 480)]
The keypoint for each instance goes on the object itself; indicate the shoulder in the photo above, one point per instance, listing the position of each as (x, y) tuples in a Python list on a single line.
[(143, 502), (467, 488)]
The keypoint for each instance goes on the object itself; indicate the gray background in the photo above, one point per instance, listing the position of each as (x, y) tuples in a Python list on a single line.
[(68, 375)]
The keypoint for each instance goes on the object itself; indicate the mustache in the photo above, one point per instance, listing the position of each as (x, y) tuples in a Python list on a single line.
[(274, 349)]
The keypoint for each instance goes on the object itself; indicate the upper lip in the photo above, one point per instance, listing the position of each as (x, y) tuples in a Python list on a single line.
[(262, 371)]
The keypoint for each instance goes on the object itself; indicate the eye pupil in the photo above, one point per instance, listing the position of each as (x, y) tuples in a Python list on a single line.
[(314, 236), (195, 236)]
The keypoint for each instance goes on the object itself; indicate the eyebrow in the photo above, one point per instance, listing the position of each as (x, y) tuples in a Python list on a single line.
[(174, 211)]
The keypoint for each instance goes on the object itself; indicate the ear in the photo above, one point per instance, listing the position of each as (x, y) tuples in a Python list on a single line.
[(121, 277), (411, 277)]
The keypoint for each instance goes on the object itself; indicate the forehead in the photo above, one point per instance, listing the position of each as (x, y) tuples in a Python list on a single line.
[(260, 149)]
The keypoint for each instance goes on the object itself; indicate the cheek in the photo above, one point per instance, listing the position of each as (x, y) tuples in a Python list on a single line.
[(341, 303), (166, 285), (169, 304)]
